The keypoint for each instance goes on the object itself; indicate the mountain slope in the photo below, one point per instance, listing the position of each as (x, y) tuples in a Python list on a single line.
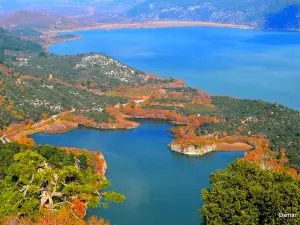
[(76, 81), (251, 12), (37, 20), (68, 7)]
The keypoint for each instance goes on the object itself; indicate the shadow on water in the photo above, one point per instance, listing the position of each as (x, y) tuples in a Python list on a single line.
[(286, 19), (272, 38)]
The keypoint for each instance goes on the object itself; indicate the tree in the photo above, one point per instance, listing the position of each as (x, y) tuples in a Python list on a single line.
[(36, 191), (13, 58), (45, 116), (83, 162), (79, 208), (2, 57), (88, 83), (29, 142), (247, 194)]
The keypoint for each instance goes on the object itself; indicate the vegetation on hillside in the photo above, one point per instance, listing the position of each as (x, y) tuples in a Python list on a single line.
[(41, 181), (37, 20), (29, 99), (245, 193), (94, 90), (258, 13), (279, 124), (11, 42), (25, 32), (91, 70)]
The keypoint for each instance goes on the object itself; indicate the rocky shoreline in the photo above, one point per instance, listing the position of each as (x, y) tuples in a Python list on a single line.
[(193, 150)]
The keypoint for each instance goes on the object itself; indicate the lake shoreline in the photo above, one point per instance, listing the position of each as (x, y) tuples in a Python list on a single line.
[(153, 24), (193, 151), (49, 34)]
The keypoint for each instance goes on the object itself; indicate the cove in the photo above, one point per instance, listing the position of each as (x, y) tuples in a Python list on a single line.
[(251, 64), (161, 187)]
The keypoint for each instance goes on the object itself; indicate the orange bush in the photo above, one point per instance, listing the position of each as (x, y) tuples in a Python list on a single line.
[(29, 142)]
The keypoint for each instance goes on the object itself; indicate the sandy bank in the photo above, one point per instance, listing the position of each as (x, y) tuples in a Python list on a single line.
[(59, 126), (153, 24), (233, 147)]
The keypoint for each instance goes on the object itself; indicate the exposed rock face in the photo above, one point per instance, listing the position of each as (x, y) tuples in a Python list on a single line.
[(197, 151), (192, 150)]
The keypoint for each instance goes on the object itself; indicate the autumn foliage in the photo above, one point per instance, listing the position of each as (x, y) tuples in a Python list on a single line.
[(79, 208), (64, 216), (29, 142), (134, 110), (45, 116), (268, 159)]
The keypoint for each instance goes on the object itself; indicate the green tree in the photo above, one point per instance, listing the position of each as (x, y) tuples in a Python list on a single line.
[(83, 162), (31, 181), (247, 194), (2, 57)]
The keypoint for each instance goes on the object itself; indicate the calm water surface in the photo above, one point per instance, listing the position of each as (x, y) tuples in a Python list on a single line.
[(242, 63), (161, 187)]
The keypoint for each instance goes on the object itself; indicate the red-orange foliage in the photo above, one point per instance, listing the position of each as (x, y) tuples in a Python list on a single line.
[(29, 142), (267, 159), (64, 216), (122, 87), (100, 164), (95, 221), (132, 109), (79, 208)]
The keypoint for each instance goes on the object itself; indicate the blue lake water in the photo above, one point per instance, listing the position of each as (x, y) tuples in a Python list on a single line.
[(242, 63), (161, 187)]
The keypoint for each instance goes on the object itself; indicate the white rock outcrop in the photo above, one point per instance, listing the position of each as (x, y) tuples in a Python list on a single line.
[(192, 150)]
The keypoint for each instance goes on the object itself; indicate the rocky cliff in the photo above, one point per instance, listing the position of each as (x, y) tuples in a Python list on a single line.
[(192, 150)]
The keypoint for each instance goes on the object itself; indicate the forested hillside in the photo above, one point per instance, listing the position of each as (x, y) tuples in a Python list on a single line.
[(33, 83), (275, 122), (94, 70), (274, 14), (66, 182), (10, 42)]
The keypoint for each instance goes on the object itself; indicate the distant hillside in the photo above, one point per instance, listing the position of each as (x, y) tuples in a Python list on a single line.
[(14, 43), (25, 32), (37, 20), (271, 14), (68, 7)]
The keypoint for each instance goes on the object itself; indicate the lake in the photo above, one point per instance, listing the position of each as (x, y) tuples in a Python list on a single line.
[(242, 63), (161, 187)]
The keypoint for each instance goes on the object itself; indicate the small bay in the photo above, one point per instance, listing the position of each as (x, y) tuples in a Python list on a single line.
[(161, 187)]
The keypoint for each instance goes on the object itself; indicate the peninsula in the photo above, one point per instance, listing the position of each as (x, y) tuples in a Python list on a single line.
[(41, 92)]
